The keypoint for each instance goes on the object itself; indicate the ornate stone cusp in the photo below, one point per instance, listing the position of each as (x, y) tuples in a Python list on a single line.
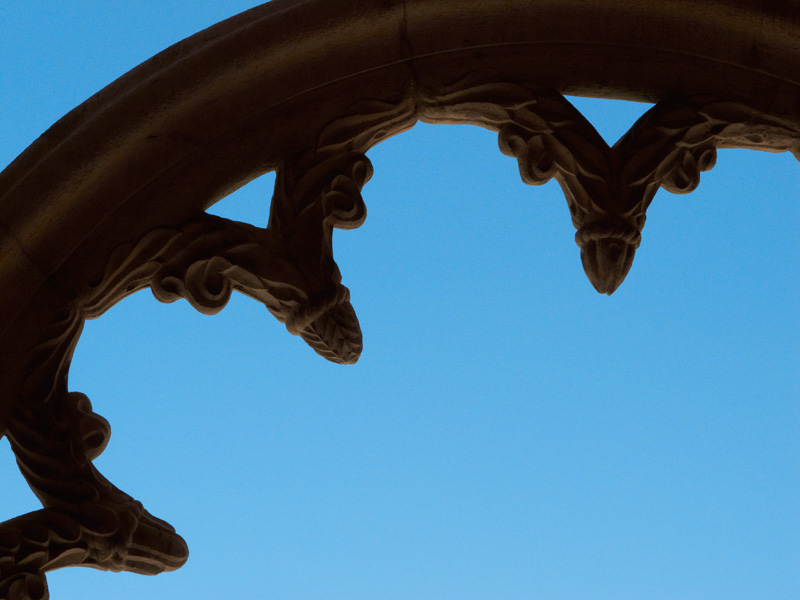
[(608, 189), (310, 201)]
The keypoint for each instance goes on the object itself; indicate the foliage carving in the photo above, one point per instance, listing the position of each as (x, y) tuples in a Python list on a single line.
[(608, 189)]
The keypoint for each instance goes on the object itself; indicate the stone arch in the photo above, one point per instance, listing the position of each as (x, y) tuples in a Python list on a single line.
[(119, 186)]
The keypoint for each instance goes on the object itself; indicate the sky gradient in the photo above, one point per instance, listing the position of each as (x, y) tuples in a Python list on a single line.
[(508, 432)]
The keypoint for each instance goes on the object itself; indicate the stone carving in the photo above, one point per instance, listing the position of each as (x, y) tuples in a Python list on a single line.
[(208, 258), (115, 143), (288, 266), (608, 189), (551, 139), (85, 520)]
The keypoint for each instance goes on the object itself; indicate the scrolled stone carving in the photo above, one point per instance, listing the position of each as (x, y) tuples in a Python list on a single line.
[(306, 208), (288, 266), (551, 139), (213, 99), (676, 140), (85, 521), (608, 189), (319, 190)]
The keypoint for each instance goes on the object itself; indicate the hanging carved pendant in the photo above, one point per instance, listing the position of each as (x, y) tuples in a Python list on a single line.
[(608, 189)]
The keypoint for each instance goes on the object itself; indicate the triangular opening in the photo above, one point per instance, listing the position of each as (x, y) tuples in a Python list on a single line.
[(249, 204), (611, 118)]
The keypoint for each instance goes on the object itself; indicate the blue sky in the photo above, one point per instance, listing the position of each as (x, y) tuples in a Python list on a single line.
[(508, 432)]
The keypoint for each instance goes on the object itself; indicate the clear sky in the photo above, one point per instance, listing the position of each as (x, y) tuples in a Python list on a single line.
[(508, 432)]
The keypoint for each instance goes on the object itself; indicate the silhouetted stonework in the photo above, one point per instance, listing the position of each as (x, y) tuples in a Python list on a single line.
[(111, 199)]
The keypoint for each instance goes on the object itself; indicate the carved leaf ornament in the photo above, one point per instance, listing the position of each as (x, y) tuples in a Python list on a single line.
[(608, 190), (289, 267)]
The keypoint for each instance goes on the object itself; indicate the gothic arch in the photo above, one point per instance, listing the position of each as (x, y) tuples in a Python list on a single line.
[(111, 198)]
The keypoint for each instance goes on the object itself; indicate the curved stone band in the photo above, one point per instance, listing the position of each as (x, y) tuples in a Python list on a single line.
[(111, 199)]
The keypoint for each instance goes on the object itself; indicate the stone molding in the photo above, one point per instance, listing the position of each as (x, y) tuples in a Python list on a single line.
[(111, 199)]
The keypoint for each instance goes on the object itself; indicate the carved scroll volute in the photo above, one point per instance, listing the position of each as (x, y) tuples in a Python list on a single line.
[(676, 140), (551, 139), (86, 521)]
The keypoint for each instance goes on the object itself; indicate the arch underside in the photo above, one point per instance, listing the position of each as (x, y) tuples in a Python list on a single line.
[(111, 199)]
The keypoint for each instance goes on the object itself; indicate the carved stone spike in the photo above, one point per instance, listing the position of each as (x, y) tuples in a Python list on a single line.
[(551, 139), (86, 521), (313, 195), (54, 433), (288, 266), (608, 190)]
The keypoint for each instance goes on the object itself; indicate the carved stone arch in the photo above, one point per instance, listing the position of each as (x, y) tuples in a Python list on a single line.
[(110, 199)]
